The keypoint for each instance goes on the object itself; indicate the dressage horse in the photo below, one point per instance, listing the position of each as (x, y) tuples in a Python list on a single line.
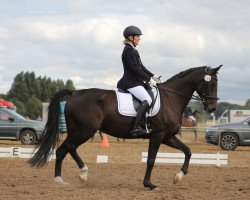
[(89, 110), (190, 122)]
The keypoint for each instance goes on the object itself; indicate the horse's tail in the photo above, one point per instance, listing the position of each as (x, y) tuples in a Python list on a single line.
[(50, 137)]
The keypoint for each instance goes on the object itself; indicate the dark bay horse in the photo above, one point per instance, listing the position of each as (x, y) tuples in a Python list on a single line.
[(190, 121), (89, 110)]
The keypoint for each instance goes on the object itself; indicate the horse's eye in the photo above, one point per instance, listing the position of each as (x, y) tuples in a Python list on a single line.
[(213, 85)]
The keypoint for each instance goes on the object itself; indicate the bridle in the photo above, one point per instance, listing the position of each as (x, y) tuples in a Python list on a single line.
[(204, 97)]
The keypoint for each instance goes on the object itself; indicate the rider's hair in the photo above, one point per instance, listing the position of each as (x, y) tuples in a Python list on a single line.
[(125, 41)]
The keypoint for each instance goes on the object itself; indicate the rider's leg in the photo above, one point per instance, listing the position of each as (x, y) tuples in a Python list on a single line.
[(140, 93), (137, 129)]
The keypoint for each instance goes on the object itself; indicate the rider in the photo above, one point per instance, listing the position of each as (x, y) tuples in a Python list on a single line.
[(135, 76), (188, 114)]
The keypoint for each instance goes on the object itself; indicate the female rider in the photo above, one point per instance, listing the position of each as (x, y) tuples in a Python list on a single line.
[(135, 76)]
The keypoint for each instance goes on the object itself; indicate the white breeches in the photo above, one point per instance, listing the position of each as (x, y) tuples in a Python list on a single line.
[(192, 118), (140, 93)]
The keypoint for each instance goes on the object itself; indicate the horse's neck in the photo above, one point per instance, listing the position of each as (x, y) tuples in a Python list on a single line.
[(183, 88)]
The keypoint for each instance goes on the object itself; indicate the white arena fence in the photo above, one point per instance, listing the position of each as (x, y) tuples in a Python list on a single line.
[(212, 159), (208, 159), (18, 152)]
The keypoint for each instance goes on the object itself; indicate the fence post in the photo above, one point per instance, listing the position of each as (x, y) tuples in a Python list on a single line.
[(218, 160)]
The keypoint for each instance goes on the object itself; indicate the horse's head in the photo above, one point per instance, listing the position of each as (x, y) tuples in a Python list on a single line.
[(207, 88)]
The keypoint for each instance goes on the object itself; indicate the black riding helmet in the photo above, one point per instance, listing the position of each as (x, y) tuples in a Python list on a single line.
[(131, 31)]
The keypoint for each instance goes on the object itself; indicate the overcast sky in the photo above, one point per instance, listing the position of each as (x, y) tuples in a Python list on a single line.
[(82, 40)]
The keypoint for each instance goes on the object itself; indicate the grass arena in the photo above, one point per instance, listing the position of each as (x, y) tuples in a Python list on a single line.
[(122, 177)]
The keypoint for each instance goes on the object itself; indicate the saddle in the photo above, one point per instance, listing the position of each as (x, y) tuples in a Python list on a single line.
[(128, 104), (137, 102)]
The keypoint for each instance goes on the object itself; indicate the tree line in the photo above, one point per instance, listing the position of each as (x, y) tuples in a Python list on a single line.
[(27, 92)]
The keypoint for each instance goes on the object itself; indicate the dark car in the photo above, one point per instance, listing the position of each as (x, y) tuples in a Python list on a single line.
[(14, 126), (229, 135)]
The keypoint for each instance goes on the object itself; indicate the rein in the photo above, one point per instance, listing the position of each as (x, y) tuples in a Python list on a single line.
[(195, 97)]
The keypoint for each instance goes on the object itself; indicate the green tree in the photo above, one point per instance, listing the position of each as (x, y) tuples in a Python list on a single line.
[(45, 94), (20, 106), (34, 107), (247, 105), (53, 88), (59, 84), (37, 88), (27, 92), (19, 88), (69, 85), (2, 96), (29, 79)]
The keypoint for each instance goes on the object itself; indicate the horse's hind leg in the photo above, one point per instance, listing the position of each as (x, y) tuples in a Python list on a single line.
[(61, 152), (71, 143), (174, 142), (78, 139)]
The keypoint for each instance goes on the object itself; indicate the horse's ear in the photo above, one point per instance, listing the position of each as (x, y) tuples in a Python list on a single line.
[(215, 70)]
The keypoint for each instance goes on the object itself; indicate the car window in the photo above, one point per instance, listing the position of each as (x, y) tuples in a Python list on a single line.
[(247, 121), (4, 116), (15, 114)]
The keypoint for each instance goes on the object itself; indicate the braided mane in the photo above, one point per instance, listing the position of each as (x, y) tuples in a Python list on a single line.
[(186, 72)]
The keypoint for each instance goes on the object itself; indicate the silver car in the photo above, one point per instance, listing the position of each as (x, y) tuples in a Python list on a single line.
[(229, 135)]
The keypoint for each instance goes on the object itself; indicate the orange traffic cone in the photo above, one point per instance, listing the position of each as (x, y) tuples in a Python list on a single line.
[(105, 142)]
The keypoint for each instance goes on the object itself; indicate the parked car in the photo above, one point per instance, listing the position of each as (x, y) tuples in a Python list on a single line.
[(14, 126), (229, 135)]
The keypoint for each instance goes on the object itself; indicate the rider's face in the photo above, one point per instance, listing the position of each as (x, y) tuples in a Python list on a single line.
[(136, 39)]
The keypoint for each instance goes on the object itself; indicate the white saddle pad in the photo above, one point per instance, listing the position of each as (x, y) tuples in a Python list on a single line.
[(126, 107)]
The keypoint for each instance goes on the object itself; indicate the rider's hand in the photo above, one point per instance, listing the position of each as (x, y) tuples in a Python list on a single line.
[(157, 79), (152, 82)]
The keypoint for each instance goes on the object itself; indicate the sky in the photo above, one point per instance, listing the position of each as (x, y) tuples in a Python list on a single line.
[(81, 40)]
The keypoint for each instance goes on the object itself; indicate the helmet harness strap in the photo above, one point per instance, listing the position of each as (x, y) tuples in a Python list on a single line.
[(132, 41)]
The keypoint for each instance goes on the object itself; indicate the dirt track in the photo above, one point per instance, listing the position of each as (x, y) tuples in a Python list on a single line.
[(122, 177)]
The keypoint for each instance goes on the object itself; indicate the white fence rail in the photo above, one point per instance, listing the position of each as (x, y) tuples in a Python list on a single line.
[(212, 159), (209, 159), (18, 152)]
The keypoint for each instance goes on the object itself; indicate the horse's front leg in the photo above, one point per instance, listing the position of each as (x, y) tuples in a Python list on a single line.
[(154, 144), (177, 144)]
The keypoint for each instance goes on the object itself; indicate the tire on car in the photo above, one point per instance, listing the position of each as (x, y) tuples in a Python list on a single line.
[(27, 137), (229, 141)]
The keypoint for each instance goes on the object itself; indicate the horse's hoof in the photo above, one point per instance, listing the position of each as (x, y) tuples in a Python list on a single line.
[(84, 174), (59, 180), (83, 177), (157, 189), (152, 187), (178, 176)]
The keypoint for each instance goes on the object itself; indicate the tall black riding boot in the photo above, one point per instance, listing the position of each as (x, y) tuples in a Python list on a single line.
[(138, 131)]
